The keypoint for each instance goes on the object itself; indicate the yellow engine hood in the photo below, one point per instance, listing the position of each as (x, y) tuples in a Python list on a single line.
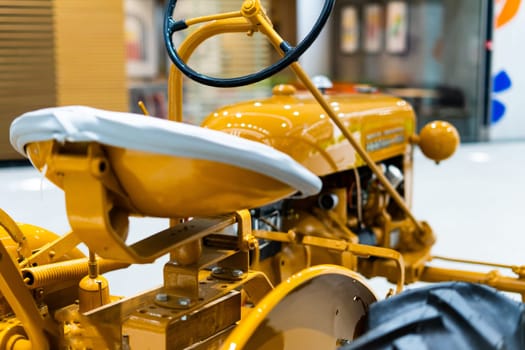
[(297, 125)]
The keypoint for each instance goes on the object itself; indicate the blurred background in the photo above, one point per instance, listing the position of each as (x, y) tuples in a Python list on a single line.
[(453, 60)]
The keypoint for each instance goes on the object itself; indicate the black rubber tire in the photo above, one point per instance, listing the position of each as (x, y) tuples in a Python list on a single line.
[(444, 316)]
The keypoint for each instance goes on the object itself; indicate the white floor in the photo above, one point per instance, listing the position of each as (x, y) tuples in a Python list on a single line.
[(474, 202)]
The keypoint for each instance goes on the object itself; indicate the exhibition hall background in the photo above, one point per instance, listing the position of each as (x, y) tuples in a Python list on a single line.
[(452, 59)]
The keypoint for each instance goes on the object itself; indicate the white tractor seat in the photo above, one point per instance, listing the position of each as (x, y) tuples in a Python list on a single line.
[(154, 136)]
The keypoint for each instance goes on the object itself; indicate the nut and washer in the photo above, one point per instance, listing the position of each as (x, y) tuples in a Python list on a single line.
[(182, 301), (217, 270), (162, 297), (237, 273)]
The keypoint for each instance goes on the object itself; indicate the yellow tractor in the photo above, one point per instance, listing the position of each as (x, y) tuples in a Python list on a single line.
[(280, 209)]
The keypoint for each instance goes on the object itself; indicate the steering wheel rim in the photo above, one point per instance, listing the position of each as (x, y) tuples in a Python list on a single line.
[(291, 54)]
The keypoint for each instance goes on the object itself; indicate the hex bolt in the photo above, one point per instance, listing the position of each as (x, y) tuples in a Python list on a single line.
[(237, 273), (184, 301), (217, 270), (162, 297)]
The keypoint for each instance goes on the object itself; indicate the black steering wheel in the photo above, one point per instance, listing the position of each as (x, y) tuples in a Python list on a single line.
[(291, 54)]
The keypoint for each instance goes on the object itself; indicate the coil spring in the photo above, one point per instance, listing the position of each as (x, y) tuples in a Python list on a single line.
[(44, 275)]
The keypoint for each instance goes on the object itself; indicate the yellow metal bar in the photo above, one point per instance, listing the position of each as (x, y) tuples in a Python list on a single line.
[(143, 108), (244, 229), (186, 49), (491, 278), (22, 303), (287, 237), (16, 234), (473, 262), (209, 18), (266, 27)]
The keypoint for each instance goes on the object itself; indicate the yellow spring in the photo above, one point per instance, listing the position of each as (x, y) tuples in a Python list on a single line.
[(71, 270)]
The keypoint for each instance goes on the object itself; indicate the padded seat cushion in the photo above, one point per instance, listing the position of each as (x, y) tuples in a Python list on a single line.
[(149, 134)]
